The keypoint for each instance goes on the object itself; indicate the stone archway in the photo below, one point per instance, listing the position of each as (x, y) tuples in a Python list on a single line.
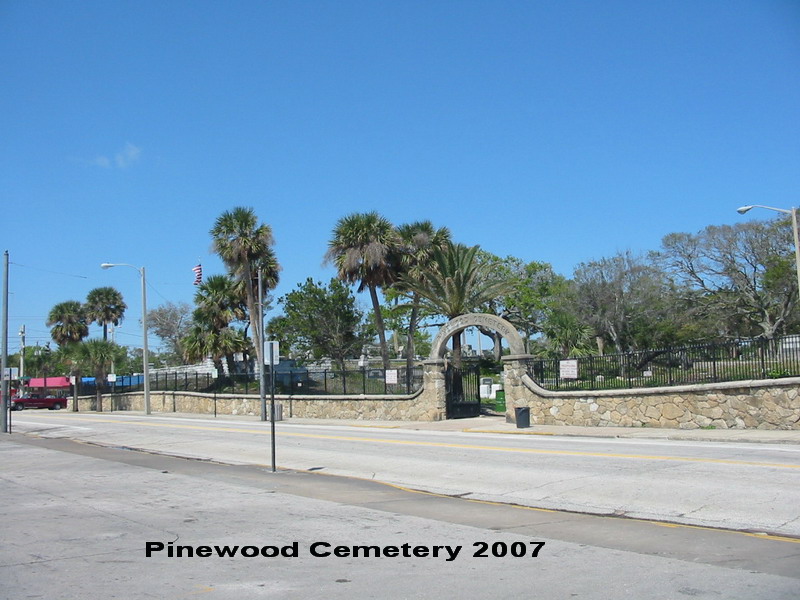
[(513, 364), (487, 321)]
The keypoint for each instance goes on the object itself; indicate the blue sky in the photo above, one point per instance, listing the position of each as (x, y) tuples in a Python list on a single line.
[(552, 131)]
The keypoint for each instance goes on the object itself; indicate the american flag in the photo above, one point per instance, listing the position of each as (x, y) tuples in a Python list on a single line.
[(198, 274)]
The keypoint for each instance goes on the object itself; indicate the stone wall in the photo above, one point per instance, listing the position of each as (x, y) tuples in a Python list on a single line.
[(769, 404), (415, 407)]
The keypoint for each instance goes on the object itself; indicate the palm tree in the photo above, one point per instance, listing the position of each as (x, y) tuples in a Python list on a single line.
[(204, 341), (220, 300), (195, 346), (97, 356), (68, 322), (69, 355), (418, 241), (364, 250), (105, 305), (244, 245), (566, 336), (454, 283)]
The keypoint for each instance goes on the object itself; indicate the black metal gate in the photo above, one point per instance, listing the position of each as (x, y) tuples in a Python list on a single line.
[(462, 392)]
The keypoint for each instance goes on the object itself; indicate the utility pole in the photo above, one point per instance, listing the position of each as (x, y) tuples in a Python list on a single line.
[(111, 331), (5, 403), (260, 353), (21, 356)]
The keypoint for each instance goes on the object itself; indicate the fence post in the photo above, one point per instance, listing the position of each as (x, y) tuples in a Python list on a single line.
[(557, 372), (628, 369), (714, 363)]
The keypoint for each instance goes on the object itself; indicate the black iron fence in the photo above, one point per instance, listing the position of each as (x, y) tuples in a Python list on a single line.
[(702, 363), (370, 381)]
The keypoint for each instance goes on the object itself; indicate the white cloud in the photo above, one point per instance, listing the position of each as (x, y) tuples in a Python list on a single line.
[(101, 161), (123, 159), (127, 156)]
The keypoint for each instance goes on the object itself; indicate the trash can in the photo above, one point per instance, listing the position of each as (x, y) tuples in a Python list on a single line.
[(500, 401), (523, 416)]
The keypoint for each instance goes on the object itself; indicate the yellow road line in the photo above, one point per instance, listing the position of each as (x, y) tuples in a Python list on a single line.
[(761, 536), (446, 445)]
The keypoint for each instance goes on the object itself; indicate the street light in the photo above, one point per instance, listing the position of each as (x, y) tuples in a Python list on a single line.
[(787, 211), (145, 356)]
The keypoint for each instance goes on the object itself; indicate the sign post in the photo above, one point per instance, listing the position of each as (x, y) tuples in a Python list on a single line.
[(273, 347), (260, 350)]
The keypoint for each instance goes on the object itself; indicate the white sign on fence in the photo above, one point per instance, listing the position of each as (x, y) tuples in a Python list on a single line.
[(275, 353), (568, 369), (391, 375)]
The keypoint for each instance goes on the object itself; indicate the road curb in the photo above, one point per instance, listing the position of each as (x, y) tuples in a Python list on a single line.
[(641, 436)]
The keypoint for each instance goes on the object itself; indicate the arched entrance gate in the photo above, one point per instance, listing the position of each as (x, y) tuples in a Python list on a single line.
[(457, 389)]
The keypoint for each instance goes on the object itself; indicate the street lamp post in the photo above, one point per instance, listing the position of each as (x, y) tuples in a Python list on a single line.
[(5, 390), (787, 211), (145, 355)]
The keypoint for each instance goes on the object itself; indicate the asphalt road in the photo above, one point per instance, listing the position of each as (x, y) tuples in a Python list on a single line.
[(79, 519), (753, 487)]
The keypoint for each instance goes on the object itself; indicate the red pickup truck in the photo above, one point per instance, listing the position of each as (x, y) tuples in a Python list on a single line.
[(38, 401)]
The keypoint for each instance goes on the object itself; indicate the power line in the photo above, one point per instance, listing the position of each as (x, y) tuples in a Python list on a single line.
[(157, 292), (16, 264)]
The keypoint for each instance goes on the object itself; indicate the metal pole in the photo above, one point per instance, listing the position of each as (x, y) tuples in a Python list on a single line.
[(261, 383), (796, 247), (21, 354), (5, 404), (113, 368), (145, 355), (272, 399), (21, 389)]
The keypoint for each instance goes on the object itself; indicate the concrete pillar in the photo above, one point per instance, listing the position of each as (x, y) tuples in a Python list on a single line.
[(434, 392), (514, 367)]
